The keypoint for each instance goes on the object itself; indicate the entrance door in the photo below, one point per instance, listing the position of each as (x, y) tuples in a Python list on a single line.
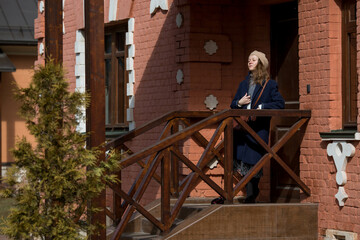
[(285, 70)]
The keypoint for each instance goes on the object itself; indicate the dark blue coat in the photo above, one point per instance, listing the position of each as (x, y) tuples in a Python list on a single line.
[(246, 148)]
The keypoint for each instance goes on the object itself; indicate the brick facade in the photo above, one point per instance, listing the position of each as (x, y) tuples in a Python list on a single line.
[(237, 27), (320, 65)]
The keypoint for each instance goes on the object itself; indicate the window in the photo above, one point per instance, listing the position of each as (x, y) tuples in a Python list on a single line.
[(116, 101), (349, 73)]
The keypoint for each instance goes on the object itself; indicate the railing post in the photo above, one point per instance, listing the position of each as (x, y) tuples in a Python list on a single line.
[(95, 85), (53, 30), (228, 164), (175, 163), (165, 189)]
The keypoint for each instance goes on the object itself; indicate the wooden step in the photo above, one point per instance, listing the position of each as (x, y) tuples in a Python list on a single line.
[(201, 220), (250, 221)]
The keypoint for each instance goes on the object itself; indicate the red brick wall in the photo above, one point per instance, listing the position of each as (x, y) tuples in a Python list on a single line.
[(320, 66), (162, 48), (39, 33), (70, 22)]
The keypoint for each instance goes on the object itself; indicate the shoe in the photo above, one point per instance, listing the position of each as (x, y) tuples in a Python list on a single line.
[(249, 200), (219, 200)]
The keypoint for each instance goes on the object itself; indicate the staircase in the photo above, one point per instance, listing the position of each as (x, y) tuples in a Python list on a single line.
[(200, 220), (175, 216)]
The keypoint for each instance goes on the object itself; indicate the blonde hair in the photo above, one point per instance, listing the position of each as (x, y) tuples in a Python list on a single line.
[(259, 74)]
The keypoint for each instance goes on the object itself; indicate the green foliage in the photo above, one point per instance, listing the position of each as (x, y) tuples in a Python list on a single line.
[(54, 180)]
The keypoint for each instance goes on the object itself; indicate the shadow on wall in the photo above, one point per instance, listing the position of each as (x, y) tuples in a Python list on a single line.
[(155, 53)]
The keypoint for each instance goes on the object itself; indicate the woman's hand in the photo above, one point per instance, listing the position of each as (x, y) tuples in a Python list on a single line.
[(245, 100)]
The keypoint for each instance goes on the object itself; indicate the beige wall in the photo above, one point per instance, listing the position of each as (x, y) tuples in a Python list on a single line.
[(12, 126)]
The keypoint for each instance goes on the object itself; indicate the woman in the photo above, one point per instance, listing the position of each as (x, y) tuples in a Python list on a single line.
[(257, 91)]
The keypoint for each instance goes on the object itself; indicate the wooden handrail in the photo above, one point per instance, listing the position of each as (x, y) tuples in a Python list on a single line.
[(155, 123), (167, 148)]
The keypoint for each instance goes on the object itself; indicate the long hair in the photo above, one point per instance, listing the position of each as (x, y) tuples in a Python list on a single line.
[(259, 74)]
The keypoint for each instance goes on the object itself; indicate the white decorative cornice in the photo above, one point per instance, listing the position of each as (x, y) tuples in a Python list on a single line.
[(340, 151), (154, 4)]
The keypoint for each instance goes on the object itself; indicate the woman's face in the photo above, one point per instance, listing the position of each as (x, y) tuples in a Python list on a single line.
[(252, 62)]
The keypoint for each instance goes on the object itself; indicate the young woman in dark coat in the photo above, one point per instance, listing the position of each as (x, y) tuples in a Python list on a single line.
[(247, 151)]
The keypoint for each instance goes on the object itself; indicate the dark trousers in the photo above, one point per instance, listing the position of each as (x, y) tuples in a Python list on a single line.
[(252, 190)]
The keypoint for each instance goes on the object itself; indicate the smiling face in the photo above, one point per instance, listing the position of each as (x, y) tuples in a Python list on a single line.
[(252, 62)]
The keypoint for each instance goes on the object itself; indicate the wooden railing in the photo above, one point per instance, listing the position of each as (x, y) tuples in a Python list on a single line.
[(167, 153)]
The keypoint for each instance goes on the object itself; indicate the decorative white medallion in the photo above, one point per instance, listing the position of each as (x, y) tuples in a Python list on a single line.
[(340, 151), (41, 7), (179, 20), (154, 4), (180, 76), (211, 102), (210, 47)]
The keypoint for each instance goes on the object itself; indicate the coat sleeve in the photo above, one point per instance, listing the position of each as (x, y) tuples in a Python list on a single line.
[(234, 103), (275, 101)]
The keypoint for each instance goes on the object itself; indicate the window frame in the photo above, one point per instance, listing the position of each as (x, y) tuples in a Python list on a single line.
[(349, 66), (118, 99)]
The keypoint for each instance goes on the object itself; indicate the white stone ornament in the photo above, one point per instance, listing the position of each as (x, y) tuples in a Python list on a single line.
[(341, 196), (211, 102), (210, 47), (332, 234), (41, 49), (179, 76), (213, 164), (154, 4), (179, 20), (131, 25), (112, 10), (340, 151), (41, 7), (63, 15), (129, 38), (131, 72)]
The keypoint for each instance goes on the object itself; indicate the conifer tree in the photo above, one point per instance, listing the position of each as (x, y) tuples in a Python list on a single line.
[(54, 179)]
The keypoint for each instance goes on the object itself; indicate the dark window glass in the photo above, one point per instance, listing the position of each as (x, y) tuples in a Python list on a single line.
[(121, 41), (107, 90), (108, 43)]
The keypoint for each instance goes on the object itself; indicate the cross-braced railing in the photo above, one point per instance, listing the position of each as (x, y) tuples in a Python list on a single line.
[(167, 154)]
